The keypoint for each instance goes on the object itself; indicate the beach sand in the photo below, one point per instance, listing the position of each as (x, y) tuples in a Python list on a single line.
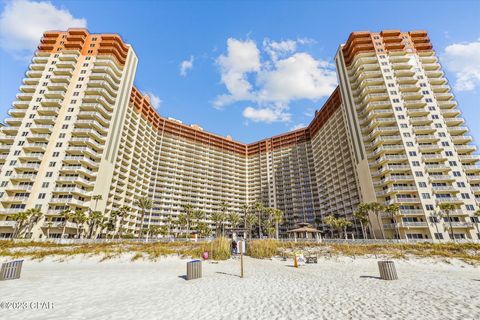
[(335, 288)]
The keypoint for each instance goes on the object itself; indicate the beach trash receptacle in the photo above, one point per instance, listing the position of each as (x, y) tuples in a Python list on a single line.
[(387, 270), (11, 270), (194, 269), (205, 255)]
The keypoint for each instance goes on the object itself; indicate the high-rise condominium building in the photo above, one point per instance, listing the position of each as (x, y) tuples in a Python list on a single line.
[(81, 136)]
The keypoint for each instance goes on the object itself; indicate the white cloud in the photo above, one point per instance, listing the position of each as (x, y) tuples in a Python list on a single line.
[(242, 58), (298, 126), (268, 115), (154, 99), (186, 65), (463, 59), (282, 76), (23, 22), (278, 49)]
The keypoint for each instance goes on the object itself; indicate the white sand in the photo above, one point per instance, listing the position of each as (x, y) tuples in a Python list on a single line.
[(343, 288)]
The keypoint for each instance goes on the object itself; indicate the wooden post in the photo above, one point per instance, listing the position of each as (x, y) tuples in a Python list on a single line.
[(241, 259)]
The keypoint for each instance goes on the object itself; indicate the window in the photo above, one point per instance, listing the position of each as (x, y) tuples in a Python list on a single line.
[(49, 174), (16, 153), (78, 86), (68, 118), (8, 173), (62, 135), (425, 196), (83, 71), (445, 144), (425, 92), (407, 135), (452, 163), (429, 207), (438, 236), (418, 173), (59, 144), (434, 116), (398, 108), (75, 94), (422, 184), (52, 164), (55, 154), (412, 153), (428, 100), (45, 184), (470, 208), (401, 117), (449, 153), (396, 100), (4, 183), (438, 125), (456, 173), (416, 163), (461, 184), (65, 126), (42, 195), (70, 110), (441, 134), (409, 144), (465, 196)]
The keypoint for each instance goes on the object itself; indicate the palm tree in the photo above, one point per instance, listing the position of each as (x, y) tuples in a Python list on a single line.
[(476, 219), (144, 204), (79, 217), (394, 210), (250, 220), (154, 230), (21, 218), (365, 208), (436, 218), (35, 214), (361, 215), (245, 209), (182, 220), (259, 209), (96, 198), (332, 222), (342, 224), (123, 212), (223, 210), (203, 229), (234, 219), (218, 218), (189, 214), (278, 219), (168, 223), (66, 215), (447, 208), (377, 209), (93, 220)]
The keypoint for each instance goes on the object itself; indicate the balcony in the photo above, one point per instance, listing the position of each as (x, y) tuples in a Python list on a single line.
[(440, 177), (42, 128), (460, 224), (17, 113), (443, 189), (447, 104), (60, 79), (8, 224), (448, 200), (15, 122), (414, 103), (45, 119), (34, 74), (416, 224)]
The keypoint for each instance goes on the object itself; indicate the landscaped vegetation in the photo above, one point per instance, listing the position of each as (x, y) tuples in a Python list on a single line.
[(219, 249)]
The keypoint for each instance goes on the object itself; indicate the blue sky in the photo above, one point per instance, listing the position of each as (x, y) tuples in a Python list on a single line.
[(252, 69)]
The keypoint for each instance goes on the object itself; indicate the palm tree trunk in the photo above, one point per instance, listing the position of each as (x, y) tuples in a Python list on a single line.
[(450, 223), (380, 224), (140, 233), (63, 230), (363, 229), (276, 229)]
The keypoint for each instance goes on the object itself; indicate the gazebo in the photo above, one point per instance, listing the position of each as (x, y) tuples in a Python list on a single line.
[(304, 231)]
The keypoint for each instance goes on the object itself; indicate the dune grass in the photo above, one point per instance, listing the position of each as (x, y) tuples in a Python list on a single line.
[(219, 249), (262, 249)]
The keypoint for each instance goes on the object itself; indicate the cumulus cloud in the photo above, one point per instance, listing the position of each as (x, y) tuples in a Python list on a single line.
[(242, 57), (185, 66), (463, 59), (154, 99), (23, 22), (272, 78), (267, 115)]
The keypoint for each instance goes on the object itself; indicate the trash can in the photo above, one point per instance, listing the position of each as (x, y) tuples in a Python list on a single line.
[(387, 270), (194, 269)]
